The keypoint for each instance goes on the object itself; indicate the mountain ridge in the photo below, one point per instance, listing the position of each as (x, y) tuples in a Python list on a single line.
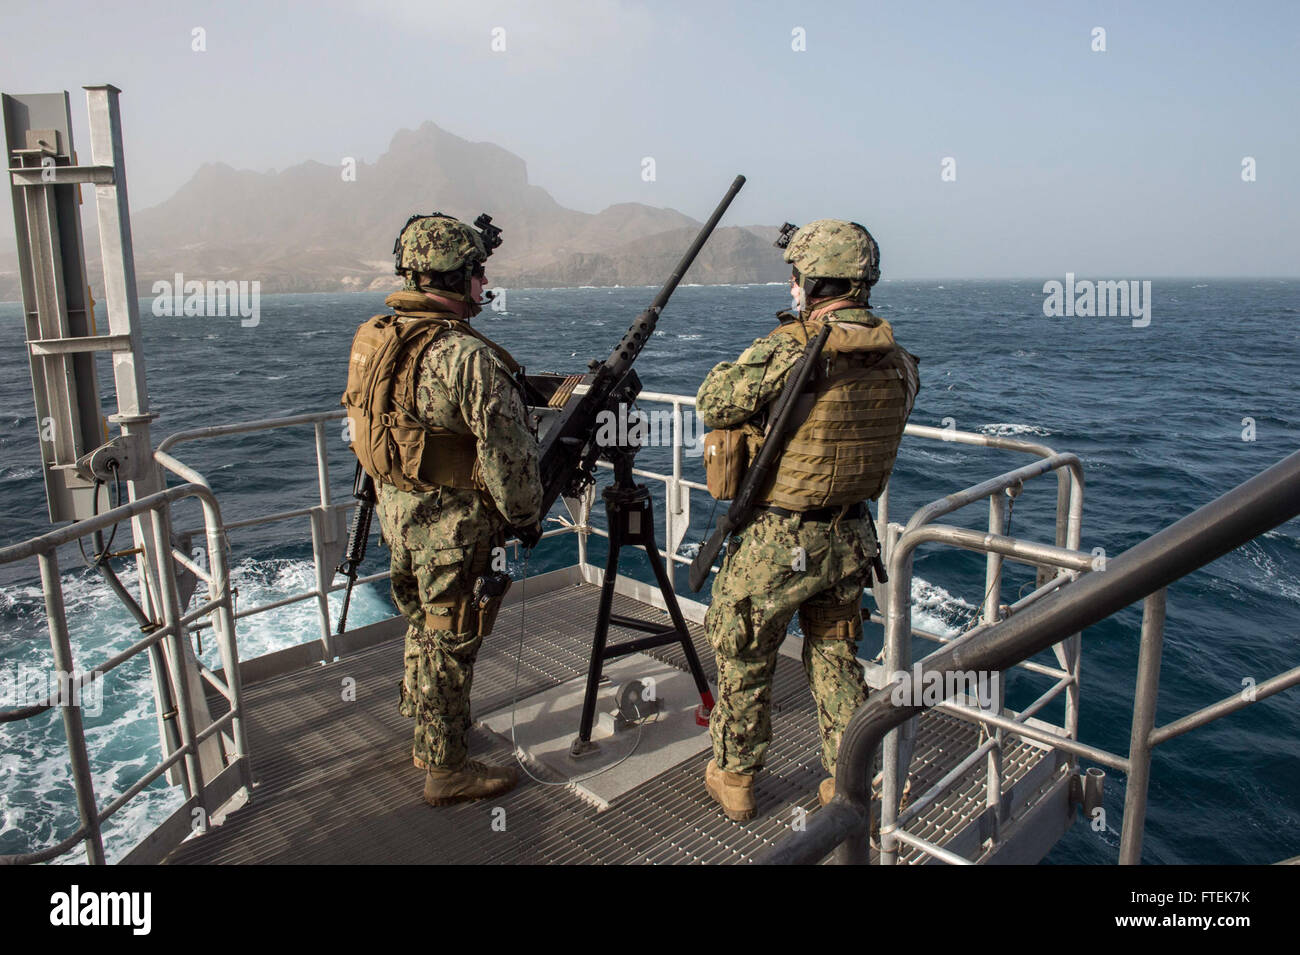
[(306, 228)]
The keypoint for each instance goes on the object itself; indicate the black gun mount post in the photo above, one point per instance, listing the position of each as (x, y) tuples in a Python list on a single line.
[(630, 518), (566, 410)]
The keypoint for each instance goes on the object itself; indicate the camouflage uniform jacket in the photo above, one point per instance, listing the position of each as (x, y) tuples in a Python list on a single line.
[(734, 393), (777, 566), (464, 385)]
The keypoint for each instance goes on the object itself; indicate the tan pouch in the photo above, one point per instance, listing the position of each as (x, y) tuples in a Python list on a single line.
[(726, 458), (462, 615), (487, 617)]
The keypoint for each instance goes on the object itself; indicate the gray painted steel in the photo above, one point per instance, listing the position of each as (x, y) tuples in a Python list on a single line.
[(335, 783), (1270, 498)]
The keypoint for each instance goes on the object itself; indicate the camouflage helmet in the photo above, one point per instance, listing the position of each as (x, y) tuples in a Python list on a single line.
[(437, 243), (834, 249)]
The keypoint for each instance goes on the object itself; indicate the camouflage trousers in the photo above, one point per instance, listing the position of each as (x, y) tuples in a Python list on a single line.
[(777, 567), (438, 665)]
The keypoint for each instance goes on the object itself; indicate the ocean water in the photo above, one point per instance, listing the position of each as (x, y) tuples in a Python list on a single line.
[(1158, 415)]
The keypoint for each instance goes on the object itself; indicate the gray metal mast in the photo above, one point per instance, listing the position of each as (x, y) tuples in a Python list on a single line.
[(78, 455)]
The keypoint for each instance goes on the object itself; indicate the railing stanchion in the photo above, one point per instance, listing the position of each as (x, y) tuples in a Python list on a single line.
[(70, 706), (324, 577), (992, 602), (1145, 695), (879, 591), (178, 671), (322, 465)]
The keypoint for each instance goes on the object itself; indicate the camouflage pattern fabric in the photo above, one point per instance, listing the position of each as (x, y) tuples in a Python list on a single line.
[(763, 583), (777, 566), (438, 244), (438, 665), (835, 249), (443, 539), (735, 392)]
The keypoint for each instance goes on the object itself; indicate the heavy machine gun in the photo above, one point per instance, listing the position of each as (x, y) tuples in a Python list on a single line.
[(567, 408), (568, 411)]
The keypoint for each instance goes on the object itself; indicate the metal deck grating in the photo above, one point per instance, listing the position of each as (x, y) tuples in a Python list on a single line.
[(336, 784)]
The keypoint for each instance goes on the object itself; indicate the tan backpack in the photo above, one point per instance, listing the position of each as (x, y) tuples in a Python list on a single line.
[(388, 438)]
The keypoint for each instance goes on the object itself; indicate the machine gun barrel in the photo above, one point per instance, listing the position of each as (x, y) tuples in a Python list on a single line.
[(569, 449), (620, 360)]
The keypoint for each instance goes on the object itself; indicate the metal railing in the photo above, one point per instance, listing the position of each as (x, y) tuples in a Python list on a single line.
[(998, 547), (327, 518), (327, 524), (897, 543), (1140, 573), (328, 531), (165, 640)]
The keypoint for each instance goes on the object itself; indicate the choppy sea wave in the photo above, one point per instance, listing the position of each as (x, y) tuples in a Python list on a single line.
[(1158, 437)]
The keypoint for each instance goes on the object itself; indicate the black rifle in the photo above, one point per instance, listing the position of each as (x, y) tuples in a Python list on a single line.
[(568, 443), (363, 489), (743, 505)]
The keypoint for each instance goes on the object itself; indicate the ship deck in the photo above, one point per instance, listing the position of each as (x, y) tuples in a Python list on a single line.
[(334, 780)]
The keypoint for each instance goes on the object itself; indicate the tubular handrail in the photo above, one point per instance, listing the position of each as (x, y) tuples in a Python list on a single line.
[(51, 540), (897, 606), (170, 630), (674, 482), (247, 427), (1242, 514)]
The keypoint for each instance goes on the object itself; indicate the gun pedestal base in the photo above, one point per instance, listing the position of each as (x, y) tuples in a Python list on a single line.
[(631, 523)]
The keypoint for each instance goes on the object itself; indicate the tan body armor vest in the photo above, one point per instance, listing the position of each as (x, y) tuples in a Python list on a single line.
[(391, 441), (852, 417)]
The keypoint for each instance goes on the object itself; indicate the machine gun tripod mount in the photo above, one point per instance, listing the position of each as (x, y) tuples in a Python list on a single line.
[(630, 518)]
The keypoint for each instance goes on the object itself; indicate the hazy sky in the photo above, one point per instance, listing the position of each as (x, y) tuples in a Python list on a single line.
[(1123, 163)]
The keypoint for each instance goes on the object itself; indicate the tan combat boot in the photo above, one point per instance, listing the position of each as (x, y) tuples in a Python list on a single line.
[(734, 792), (474, 780)]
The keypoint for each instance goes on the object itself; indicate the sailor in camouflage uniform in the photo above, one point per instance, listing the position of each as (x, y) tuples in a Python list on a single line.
[(810, 547), (462, 469)]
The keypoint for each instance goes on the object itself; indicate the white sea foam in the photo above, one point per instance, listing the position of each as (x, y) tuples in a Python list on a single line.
[(1271, 578), (1008, 430), (936, 610), (37, 800)]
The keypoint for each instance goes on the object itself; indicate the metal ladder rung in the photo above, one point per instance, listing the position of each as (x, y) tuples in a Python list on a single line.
[(76, 345), (62, 175)]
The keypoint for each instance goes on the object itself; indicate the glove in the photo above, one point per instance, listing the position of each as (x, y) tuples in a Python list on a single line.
[(528, 535)]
